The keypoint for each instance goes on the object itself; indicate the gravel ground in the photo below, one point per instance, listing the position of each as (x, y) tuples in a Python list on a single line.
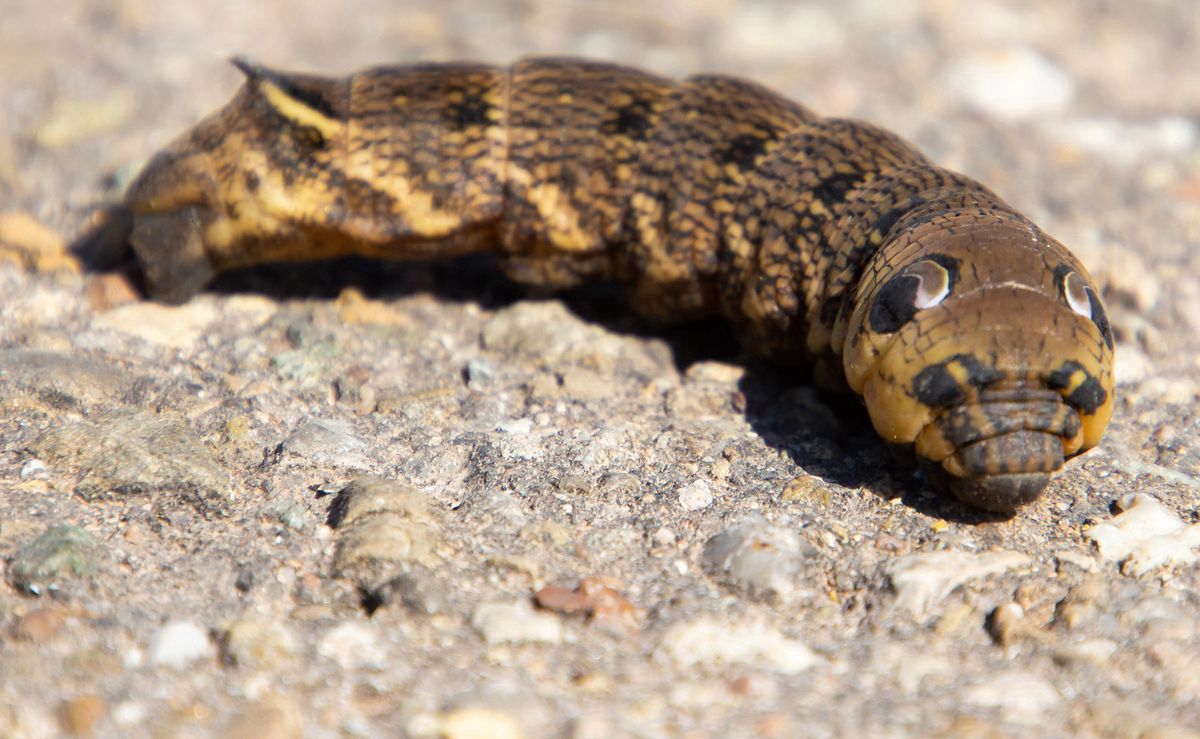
[(368, 501)]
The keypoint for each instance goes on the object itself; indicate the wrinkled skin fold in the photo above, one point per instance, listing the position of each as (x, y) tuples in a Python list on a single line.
[(978, 343)]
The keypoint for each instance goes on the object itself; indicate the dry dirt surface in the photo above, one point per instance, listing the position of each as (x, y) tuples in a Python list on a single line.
[(366, 500)]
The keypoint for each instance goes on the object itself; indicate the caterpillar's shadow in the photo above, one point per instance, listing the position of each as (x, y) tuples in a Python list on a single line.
[(827, 435)]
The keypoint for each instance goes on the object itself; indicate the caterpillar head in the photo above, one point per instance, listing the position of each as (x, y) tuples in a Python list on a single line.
[(981, 344)]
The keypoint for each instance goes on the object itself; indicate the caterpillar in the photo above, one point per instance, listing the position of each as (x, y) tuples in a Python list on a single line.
[(978, 343)]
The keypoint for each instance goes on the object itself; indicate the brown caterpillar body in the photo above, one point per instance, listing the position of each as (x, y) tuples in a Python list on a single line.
[(975, 339)]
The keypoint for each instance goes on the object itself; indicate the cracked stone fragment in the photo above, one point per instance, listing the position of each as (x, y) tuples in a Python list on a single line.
[(1145, 536), (755, 556), (131, 452), (386, 530), (711, 644), (922, 580)]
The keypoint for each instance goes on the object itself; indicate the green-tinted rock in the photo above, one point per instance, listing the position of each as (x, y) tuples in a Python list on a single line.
[(61, 555)]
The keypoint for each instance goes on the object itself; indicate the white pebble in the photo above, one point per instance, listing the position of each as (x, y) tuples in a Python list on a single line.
[(33, 468), (519, 426), (696, 496), (178, 644)]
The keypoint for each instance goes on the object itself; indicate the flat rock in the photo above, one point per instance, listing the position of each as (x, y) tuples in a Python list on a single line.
[(131, 452), (922, 580)]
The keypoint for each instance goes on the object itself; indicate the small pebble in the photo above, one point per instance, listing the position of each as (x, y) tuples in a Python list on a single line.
[(1008, 624), (131, 452), (696, 496), (1091, 652), (516, 623), (178, 644), (168, 326), (34, 469), (276, 717), (480, 373)]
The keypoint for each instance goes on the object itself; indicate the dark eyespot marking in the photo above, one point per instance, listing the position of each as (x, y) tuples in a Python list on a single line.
[(471, 111), (935, 386), (921, 285), (1087, 397), (632, 120), (744, 150), (833, 189)]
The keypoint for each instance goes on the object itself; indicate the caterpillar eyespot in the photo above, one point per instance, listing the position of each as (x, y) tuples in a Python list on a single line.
[(1075, 292)]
